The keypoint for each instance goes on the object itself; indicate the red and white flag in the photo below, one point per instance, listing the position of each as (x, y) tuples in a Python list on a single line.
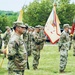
[(52, 28)]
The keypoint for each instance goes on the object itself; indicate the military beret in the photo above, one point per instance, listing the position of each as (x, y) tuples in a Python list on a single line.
[(66, 26), (17, 23)]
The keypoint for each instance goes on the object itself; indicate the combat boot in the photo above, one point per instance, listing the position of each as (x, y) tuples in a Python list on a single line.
[(62, 71), (73, 54)]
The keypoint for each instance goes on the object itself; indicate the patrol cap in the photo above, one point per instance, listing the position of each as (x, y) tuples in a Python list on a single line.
[(17, 23), (74, 20), (0, 31), (38, 26), (41, 27), (26, 24), (7, 27), (66, 26), (32, 27)]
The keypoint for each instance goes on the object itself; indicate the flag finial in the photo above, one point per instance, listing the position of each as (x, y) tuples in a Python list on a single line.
[(55, 4)]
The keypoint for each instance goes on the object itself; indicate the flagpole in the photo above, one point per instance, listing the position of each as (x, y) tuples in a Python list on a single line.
[(54, 4), (52, 28)]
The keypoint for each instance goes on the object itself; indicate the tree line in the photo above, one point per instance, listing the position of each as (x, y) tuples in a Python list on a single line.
[(38, 12)]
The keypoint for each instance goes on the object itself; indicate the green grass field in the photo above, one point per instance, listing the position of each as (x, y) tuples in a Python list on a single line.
[(49, 63)]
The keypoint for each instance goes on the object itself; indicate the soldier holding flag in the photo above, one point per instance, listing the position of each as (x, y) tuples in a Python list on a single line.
[(73, 36), (64, 47)]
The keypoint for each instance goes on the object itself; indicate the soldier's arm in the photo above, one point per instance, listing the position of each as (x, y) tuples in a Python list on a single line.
[(12, 48), (38, 40), (61, 41)]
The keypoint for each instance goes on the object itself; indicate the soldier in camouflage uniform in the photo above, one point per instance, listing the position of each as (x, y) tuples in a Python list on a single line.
[(17, 55), (73, 41), (27, 39), (64, 47), (31, 41), (25, 36), (0, 40), (42, 35), (6, 36), (73, 36), (36, 47)]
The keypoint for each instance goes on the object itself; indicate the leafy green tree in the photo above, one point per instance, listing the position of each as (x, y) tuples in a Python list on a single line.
[(66, 12), (12, 18), (3, 22), (7, 18), (37, 12)]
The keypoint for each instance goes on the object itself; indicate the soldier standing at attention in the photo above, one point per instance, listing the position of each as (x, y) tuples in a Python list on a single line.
[(36, 40), (42, 35), (73, 36), (0, 41), (64, 47), (25, 37), (17, 55)]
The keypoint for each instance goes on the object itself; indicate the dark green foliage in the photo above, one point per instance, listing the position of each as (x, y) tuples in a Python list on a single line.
[(38, 12), (66, 12), (3, 22), (7, 18)]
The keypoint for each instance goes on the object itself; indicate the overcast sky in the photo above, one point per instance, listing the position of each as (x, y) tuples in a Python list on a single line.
[(14, 5)]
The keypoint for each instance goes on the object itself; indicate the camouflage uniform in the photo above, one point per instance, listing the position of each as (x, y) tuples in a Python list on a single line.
[(73, 41), (6, 37), (42, 35), (0, 40), (27, 39), (73, 35), (36, 49), (31, 41), (29, 45), (64, 47), (17, 55)]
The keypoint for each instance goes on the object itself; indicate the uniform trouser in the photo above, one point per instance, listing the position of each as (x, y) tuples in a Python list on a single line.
[(74, 47), (41, 46), (63, 59), (15, 72), (36, 57)]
